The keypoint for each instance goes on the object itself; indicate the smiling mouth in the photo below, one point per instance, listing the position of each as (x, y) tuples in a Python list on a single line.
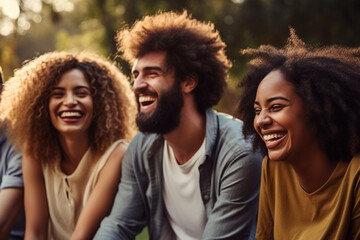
[(70, 114), (146, 100), (273, 136)]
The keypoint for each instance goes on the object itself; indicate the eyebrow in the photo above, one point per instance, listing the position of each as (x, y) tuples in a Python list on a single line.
[(273, 99), (151, 68), (76, 88)]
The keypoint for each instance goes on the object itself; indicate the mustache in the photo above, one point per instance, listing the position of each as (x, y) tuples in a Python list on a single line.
[(145, 92)]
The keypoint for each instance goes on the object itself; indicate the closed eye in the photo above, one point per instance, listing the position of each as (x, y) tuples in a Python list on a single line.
[(276, 107), (257, 110), (82, 93), (153, 74), (57, 94)]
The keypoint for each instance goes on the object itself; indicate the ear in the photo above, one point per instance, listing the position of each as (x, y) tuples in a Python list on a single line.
[(190, 83)]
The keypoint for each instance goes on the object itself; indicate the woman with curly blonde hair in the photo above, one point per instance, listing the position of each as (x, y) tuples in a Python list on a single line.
[(71, 115)]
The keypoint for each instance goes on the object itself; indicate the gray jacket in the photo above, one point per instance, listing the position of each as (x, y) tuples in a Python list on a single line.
[(229, 183), (11, 177)]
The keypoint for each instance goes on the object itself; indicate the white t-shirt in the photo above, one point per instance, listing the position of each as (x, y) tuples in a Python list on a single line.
[(181, 192)]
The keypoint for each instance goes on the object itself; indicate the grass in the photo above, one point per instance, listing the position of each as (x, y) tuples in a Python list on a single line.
[(143, 235)]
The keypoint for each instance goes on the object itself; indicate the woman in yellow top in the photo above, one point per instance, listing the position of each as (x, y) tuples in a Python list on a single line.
[(301, 107), (71, 115)]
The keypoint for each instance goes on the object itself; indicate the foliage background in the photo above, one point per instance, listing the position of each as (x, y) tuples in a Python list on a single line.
[(29, 28)]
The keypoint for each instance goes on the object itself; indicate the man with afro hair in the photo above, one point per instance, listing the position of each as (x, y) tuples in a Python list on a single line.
[(189, 173)]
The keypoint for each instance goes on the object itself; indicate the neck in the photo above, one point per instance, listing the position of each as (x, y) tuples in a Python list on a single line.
[(187, 138), (313, 169), (73, 148)]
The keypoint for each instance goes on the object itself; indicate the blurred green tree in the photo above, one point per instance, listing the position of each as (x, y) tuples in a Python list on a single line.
[(92, 24), (16, 19)]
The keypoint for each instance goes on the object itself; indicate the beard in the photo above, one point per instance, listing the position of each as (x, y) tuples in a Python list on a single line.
[(166, 116)]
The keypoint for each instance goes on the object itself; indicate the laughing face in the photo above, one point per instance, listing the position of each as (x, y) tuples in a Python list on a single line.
[(71, 104), (159, 96), (280, 119)]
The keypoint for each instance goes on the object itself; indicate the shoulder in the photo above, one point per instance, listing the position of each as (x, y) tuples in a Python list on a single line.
[(231, 138), (111, 160), (143, 142), (7, 149), (231, 128), (116, 151), (10, 165), (350, 170), (268, 168), (353, 169), (355, 162), (120, 147), (228, 121)]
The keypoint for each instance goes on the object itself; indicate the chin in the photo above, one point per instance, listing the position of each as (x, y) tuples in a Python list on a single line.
[(276, 156), (72, 131)]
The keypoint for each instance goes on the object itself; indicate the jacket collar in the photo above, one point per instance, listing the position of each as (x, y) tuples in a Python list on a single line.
[(212, 131), (211, 135), (2, 136)]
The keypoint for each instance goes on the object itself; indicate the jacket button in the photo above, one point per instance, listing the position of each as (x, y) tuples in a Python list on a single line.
[(206, 197)]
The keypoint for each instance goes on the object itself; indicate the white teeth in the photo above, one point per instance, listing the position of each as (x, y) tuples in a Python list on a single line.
[(270, 137), (70, 114), (146, 99)]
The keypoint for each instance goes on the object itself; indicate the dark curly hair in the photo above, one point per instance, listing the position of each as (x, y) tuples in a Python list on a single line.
[(1, 78), (25, 100), (192, 47), (328, 82)]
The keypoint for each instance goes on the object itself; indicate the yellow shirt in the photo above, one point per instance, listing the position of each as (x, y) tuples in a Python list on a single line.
[(287, 212), (68, 194)]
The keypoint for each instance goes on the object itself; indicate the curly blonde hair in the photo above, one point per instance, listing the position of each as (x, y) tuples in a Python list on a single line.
[(25, 98)]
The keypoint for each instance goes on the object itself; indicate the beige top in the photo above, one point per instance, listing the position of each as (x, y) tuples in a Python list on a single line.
[(286, 211), (68, 194)]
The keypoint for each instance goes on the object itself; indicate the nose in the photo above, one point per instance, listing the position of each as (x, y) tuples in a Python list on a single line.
[(139, 83), (262, 119), (70, 100)]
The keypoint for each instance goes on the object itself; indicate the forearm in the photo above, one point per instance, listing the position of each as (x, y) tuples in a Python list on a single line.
[(36, 206), (35, 235), (36, 223), (127, 217), (102, 196), (11, 203)]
